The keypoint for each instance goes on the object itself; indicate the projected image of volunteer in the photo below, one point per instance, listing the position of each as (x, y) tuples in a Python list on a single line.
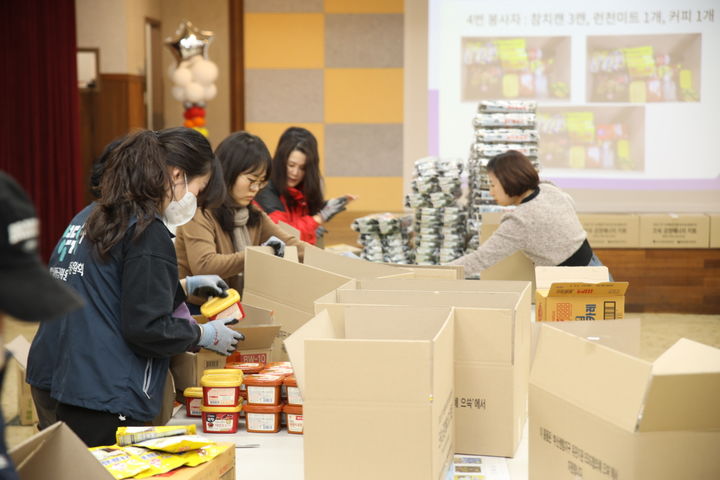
[(544, 225), (113, 354)]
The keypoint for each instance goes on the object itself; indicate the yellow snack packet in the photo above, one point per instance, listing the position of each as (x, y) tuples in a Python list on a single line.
[(130, 435), (119, 463), (160, 462), (197, 457), (176, 444)]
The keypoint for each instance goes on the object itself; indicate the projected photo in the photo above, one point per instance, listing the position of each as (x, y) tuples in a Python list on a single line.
[(602, 138), (644, 68), (515, 68)]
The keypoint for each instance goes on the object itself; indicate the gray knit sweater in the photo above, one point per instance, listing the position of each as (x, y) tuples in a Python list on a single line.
[(546, 229)]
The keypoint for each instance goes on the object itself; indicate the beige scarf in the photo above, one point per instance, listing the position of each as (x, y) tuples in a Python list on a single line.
[(241, 235)]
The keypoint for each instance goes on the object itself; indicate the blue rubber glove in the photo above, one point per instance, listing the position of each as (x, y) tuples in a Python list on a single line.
[(277, 245), (216, 336), (206, 286)]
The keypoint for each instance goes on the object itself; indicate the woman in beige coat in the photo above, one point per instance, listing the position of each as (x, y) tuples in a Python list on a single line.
[(214, 241)]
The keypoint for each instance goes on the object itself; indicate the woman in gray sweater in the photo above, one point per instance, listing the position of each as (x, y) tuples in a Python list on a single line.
[(544, 225)]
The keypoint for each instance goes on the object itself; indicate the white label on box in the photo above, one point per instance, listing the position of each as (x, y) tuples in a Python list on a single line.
[(294, 397), (263, 422), (220, 422), (222, 396), (262, 395), (195, 405), (295, 422)]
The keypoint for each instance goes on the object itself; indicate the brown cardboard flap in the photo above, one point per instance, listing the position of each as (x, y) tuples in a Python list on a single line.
[(56, 453), (257, 337), (685, 390), (607, 289), (546, 276), (603, 381), (443, 285), (350, 267), (285, 282)]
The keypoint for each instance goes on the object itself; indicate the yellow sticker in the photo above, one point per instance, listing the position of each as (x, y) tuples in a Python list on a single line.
[(640, 61), (512, 54), (581, 126)]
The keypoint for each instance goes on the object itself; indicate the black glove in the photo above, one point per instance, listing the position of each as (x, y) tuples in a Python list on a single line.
[(206, 286), (277, 245), (333, 207)]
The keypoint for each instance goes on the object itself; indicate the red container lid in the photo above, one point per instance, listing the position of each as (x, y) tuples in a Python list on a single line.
[(261, 380), (247, 368), (290, 381), (262, 408)]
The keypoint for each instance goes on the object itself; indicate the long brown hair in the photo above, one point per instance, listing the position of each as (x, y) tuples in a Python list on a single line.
[(300, 139), (135, 181)]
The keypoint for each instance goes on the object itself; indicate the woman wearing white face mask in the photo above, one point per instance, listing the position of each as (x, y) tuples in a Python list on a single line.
[(113, 354)]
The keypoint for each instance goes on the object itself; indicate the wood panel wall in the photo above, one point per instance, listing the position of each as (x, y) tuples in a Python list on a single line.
[(661, 280), (667, 280)]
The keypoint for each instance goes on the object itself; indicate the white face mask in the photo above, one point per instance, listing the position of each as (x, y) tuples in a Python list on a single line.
[(179, 212)]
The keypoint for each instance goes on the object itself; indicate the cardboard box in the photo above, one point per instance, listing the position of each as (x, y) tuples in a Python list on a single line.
[(56, 453), (597, 413), (221, 467), (670, 230), (377, 387), (19, 347), (570, 293), (350, 267), (433, 272), (287, 288), (260, 331), (516, 267), (492, 354), (606, 230), (714, 230)]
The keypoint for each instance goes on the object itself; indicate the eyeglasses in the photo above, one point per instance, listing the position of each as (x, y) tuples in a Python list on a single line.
[(255, 184)]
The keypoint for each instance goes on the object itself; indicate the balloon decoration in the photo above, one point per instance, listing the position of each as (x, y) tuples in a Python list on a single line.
[(194, 74)]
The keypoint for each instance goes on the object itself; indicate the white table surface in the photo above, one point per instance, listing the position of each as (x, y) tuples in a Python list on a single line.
[(280, 455)]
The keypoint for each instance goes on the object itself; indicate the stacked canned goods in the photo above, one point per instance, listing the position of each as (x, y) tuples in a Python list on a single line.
[(499, 126), (440, 220)]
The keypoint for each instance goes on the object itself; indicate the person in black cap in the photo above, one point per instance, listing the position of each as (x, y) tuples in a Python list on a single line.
[(113, 354), (27, 290)]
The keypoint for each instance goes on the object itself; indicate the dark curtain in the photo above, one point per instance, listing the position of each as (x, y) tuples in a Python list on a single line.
[(39, 124)]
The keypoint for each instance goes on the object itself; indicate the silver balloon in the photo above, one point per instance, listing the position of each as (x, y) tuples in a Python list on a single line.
[(189, 41)]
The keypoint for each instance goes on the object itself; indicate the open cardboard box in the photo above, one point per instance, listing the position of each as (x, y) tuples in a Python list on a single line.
[(260, 331), (491, 360), (287, 288), (377, 387), (19, 347), (351, 267), (578, 293), (598, 413)]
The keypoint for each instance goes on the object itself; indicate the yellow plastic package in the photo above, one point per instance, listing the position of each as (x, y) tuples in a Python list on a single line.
[(130, 435), (160, 462), (176, 444), (197, 457), (119, 463)]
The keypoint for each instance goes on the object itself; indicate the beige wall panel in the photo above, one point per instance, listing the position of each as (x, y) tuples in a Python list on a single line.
[(137, 11), (262, 6), (283, 95), (102, 24), (363, 150), (207, 15), (364, 41)]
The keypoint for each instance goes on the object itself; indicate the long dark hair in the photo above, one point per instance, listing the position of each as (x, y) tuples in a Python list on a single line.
[(300, 139), (135, 181), (241, 152), (514, 172)]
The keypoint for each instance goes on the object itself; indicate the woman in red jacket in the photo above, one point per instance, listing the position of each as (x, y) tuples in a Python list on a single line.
[(294, 194)]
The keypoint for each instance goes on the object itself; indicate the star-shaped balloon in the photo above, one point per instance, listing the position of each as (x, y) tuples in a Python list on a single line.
[(189, 41)]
